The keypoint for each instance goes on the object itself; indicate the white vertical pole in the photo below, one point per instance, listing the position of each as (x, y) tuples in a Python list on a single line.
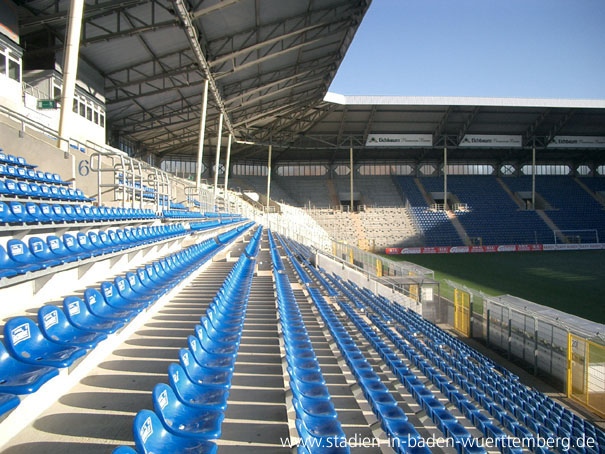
[(533, 175), (269, 177), (351, 178), (70, 69), (445, 177), (218, 157), (200, 150), (227, 164)]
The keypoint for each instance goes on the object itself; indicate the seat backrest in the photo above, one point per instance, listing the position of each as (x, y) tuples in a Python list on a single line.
[(6, 262), (45, 191), (71, 243), (95, 240), (95, 301), (123, 286), (56, 246), (84, 242), (34, 212), (19, 252), (48, 212), (164, 399), (148, 432), (133, 281), (52, 322), (110, 292), (59, 212), (18, 210), (76, 311), (6, 215), (39, 248), (22, 337)]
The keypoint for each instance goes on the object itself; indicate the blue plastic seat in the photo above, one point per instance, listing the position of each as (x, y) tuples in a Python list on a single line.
[(17, 377), (151, 437), (40, 250), (6, 215), (26, 343), (79, 315), (129, 295), (114, 299), (20, 254), (98, 306), (57, 247), (194, 394), (72, 245), (184, 420), (19, 212), (8, 267), (124, 450), (207, 359), (8, 402), (203, 375), (56, 327)]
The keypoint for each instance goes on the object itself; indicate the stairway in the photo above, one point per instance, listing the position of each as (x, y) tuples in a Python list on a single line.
[(362, 241), (334, 198)]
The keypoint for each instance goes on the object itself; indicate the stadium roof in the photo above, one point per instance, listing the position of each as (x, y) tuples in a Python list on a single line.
[(348, 121), (270, 63), (264, 59)]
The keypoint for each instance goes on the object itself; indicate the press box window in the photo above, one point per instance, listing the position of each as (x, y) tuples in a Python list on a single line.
[(14, 70)]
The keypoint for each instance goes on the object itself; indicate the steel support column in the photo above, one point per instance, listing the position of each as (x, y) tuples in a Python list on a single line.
[(533, 175), (269, 178), (218, 158), (200, 150), (70, 69), (445, 205), (351, 179), (228, 163)]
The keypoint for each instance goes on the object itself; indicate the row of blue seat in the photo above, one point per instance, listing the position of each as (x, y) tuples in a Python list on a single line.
[(178, 214), (34, 352), (505, 398), (22, 189), (393, 421), (33, 213), (20, 258), (316, 418), (525, 413), (213, 223), (189, 412), (14, 160)]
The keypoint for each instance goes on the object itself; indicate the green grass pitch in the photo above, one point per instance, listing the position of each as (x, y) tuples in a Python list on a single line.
[(571, 281)]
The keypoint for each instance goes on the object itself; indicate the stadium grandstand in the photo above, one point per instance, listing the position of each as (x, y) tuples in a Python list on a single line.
[(199, 242)]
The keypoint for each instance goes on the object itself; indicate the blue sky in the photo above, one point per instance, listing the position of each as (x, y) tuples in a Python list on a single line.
[(494, 48)]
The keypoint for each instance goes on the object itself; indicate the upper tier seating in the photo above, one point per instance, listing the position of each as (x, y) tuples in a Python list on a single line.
[(573, 207), (434, 225), (492, 215)]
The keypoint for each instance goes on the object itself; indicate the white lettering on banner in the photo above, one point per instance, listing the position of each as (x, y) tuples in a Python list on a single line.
[(507, 248), (491, 141), (577, 142), (501, 248), (399, 140)]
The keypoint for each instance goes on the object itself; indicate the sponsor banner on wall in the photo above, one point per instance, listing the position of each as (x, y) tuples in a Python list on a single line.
[(399, 140), (501, 248), (491, 141), (577, 142)]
